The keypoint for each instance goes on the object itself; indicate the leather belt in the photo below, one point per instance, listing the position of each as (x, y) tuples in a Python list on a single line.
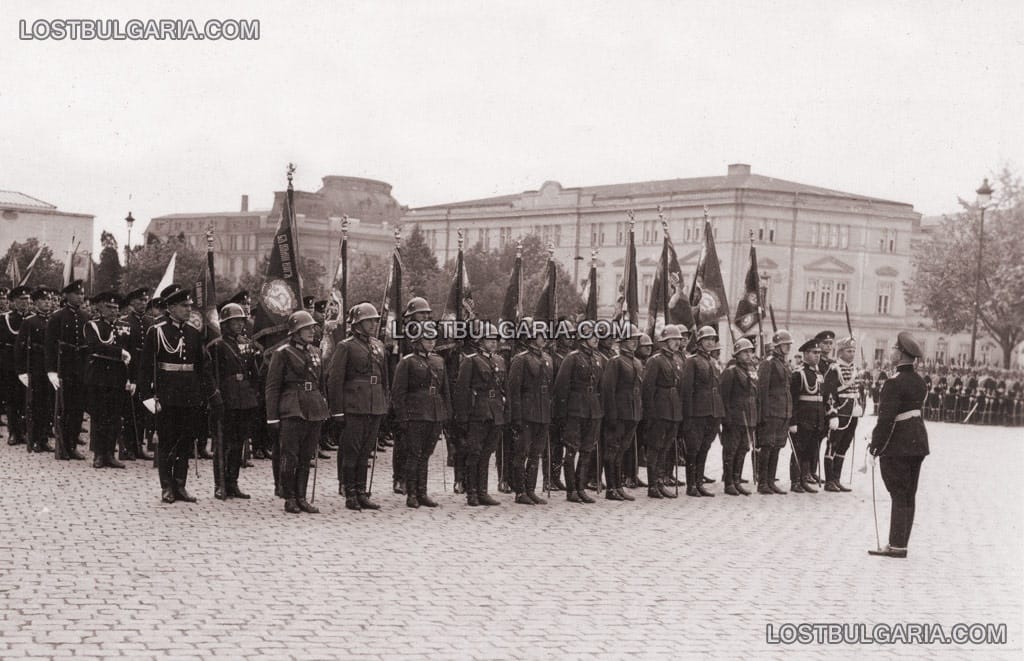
[(374, 380), (432, 390), (102, 357), (810, 398), (176, 367), (907, 415), (849, 395)]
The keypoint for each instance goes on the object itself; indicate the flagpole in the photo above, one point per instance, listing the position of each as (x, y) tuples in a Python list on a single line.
[(664, 268), (760, 303)]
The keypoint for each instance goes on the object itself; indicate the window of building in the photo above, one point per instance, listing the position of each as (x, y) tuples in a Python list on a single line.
[(814, 234), (881, 349), (595, 234), (766, 231), (506, 236), (647, 283), (485, 238), (687, 230), (811, 295), (825, 297), (986, 352), (618, 283), (841, 288), (941, 348), (887, 243), (885, 292), (844, 236), (833, 236), (557, 235), (620, 233)]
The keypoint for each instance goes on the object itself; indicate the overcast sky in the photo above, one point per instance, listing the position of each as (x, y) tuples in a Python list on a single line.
[(457, 100)]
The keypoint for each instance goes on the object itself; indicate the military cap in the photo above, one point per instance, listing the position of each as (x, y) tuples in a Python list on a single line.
[(106, 297), (320, 306), (20, 291), (846, 343), (74, 287), (241, 297), (810, 345), (489, 331), (634, 331), (174, 294), (307, 301), (825, 335), (136, 294), (908, 345), (155, 303), (231, 311), (585, 329), (40, 293), (4, 291)]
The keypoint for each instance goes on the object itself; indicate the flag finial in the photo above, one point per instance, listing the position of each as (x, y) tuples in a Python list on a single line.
[(344, 226), (209, 237), (290, 173), (751, 232), (398, 237), (593, 257), (519, 247), (664, 223), (551, 250), (461, 238), (705, 213), (632, 218)]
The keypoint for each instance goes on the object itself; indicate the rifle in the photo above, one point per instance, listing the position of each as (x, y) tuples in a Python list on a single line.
[(218, 428), (28, 393)]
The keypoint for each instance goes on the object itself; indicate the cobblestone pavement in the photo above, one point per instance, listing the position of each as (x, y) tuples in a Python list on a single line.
[(92, 564)]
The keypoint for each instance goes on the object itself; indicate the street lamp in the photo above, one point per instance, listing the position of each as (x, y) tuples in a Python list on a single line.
[(984, 197), (128, 247)]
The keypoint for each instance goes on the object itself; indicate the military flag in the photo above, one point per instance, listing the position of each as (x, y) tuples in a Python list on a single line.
[(13, 273), (707, 292), (667, 296), (69, 263), (748, 310), (391, 308), (281, 293), (590, 295), (512, 308), (459, 306), (168, 278), (205, 317), (546, 308), (629, 299), (31, 265)]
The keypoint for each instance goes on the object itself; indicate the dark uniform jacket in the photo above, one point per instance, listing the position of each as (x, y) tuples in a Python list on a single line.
[(357, 377), (137, 325), (842, 390), (295, 383), (739, 396), (10, 328), (622, 388), (578, 386), (65, 344), (895, 434), (175, 367), (699, 388), (808, 400), (529, 387), (480, 389), (235, 361), (773, 389), (421, 390), (105, 367), (30, 349), (661, 395)]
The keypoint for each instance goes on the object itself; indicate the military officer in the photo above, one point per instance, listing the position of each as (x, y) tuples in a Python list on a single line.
[(900, 441), (843, 397), (416, 311), (175, 382), (826, 342), (357, 392), (702, 409), (622, 403), (529, 393), (479, 405), (577, 405), (235, 362), (739, 398), (106, 377), (65, 367), (663, 408), (14, 390), (632, 459), (30, 359), (557, 351), (422, 404), (136, 417), (808, 423), (774, 411), (297, 407)]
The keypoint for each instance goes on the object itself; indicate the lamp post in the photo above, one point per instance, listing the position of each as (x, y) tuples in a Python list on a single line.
[(128, 246), (984, 197)]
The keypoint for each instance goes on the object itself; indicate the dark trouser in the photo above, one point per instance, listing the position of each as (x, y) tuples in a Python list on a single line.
[(735, 443), (358, 441), (900, 475), (235, 428), (835, 450), (806, 441), (299, 439), (134, 429), (419, 439), (529, 446), (104, 419), (631, 458), (659, 435), (771, 438), (14, 395), (72, 392), (618, 439), (580, 437), (39, 418), (454, 438), (399, 458), (477, 447), (699, 433), (553, 467), (177, 427), (505, 456)]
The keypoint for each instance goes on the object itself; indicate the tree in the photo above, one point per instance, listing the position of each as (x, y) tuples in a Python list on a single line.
[(46, 272), (150, 261), (420, 272), (945, 269), (108, 272)]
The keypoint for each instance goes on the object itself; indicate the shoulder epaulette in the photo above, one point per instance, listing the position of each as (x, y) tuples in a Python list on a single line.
[(470, 355)]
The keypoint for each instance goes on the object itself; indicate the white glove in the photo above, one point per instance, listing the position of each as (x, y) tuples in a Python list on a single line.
[(24, 379), (792, 430), (858, 410), (54, 380), (125, 356), (833, 423), (151, 405), (130, 387), (872, 459)]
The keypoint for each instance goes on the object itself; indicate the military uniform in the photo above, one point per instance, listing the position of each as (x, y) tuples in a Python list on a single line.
[(136, 418), (358, 396), (553, 465), (774, 412), (577, 403), (529, 393), (663, 411), (809, 420), (739, 399), (235, 360), (702, 414), (843, 402), (106, 377), (29, 359), (622, 403), (422, 404), (65, 356), (13, 391), (479, 405)]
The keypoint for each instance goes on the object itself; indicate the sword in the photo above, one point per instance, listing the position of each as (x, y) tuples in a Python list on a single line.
[(373, 465), (874, 508), (971, 412), (316, 464)]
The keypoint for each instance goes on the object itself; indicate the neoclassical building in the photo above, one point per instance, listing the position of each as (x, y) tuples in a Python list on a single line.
[(23, 217), (818, 249)]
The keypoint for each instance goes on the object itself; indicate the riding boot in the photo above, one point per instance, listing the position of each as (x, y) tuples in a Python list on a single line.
[(531, 481), (482, 477), (570, 479), (581, 479), (352, 499), (700, 482), (773, 467), (691, 481)]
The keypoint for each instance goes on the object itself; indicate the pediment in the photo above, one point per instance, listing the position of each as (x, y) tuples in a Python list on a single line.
[(886, 271), (690, 257), (829, 265), (767, 263)]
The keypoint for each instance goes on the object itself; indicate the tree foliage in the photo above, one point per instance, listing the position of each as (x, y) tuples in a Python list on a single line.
[(314, 277), (108, 271), (149, 262), (47, 270), (946, 267)]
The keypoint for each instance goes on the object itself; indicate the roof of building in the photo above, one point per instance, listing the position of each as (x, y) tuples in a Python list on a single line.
[(10, 198), (213, 214), (739, 178)]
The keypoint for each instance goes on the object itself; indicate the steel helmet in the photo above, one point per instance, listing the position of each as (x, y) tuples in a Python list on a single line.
[(634, 331), (566, 329), (645, 340), (705, 332), (299, 320), (743, 344), (670, 332), (232, 311), (585, 329), (489, 331), (363, 311), (417, 304), (782, 337)]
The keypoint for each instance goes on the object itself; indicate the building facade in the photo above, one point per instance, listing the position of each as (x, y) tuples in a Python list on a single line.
[(23, 217), (819, 250), (244, 237)]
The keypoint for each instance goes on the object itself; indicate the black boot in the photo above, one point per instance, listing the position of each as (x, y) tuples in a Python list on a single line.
[(398, 487), (773, 467), (291, 506), (352, 499), (482, 477), (412, 501), (113, 463), (364, 499), (220, 493), (581, 480), (235, 492), (531, 482), (691, 481), (700, 483), (307, 507)]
